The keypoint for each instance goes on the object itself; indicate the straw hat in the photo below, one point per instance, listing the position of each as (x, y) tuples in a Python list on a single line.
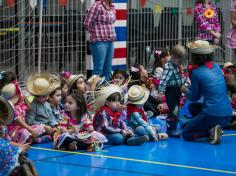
[(103, 93), (227, 64), (99, 82), (6, 111), (9, 93), (72, 79), (201, 47), (42, 84), (138, 95)]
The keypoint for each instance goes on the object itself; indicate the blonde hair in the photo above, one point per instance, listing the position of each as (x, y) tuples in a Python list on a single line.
[(178, 52)]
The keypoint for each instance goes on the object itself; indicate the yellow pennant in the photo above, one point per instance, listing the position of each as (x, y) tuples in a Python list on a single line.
[(158, 8)]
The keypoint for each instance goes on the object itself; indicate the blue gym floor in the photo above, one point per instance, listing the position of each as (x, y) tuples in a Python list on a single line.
[(165, 158)]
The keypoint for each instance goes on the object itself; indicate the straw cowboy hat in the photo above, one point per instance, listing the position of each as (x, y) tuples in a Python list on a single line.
[(201, 47), (99, 82), (42, 84), (9, 93), (227, 64), (72, 79), (103, 93), (6, 111), (138, 95)]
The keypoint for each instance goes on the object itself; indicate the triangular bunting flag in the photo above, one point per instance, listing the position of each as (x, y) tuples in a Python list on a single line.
[(10, 3), (33, 3), (189, 11), (158, 8), (142, 3), (174, 11), (62, 2)]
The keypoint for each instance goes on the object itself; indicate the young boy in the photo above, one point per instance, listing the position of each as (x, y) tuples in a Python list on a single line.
[(41, 113), (170, 85)]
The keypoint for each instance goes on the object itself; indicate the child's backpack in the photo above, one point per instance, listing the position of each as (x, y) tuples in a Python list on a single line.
[(26, 167)]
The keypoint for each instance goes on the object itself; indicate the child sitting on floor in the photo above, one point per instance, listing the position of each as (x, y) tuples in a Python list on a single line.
[(108, 121), (41, 85), (19, 131), (76, 132), (136, 117)]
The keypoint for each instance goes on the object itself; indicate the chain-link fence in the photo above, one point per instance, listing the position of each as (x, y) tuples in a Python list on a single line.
[(63, 36), (160, 23), (163, 24)]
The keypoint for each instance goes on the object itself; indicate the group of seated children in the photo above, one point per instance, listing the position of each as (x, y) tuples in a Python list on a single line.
[(80, 114)]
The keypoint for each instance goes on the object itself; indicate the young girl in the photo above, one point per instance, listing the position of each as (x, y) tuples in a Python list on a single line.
[(19, 131), (55, 102), (162, 56), (6, 77), (77, 130), (119, 77), (107, 120), (136, 117)]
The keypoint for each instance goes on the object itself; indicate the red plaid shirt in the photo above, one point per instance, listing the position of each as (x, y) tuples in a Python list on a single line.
[(99, 22), (205, 24)]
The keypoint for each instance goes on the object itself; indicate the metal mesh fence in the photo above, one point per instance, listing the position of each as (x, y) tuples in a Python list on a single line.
[(63, 37), (163, 24)]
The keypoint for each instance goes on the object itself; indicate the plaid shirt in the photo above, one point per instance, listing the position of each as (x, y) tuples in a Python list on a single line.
[(99, 22), (205, 24), (171, 77)]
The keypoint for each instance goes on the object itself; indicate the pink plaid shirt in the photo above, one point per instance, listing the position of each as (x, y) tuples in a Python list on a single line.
[(205, 24), (99, 22)]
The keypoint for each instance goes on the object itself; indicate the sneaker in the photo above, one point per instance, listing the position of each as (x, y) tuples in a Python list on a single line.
[(138, 140), (215, 135)]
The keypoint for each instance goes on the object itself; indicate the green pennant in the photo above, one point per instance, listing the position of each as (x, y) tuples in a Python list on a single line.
[(216, 1), (174, 11)]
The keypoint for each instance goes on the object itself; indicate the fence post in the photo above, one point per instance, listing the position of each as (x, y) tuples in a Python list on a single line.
[(21, 58), (180, 19), (40, 35)]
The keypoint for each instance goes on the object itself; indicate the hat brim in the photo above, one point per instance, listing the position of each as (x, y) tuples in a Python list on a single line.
[(144, 98), (100, 100), (5, 120), (202, 50), (53, 85), (14, 99)]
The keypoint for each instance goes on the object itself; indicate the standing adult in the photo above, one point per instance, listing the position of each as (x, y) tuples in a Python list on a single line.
[(207, 83), (99, 22), (232, 33), (208, 26)]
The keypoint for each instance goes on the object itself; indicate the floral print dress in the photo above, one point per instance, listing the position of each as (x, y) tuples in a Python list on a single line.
[(8, 155), (19, 134)]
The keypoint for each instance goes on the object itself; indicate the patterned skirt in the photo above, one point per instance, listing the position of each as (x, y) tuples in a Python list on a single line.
[(232, 39)]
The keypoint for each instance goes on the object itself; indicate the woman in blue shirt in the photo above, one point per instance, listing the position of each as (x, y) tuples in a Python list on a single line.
[(207, 82)]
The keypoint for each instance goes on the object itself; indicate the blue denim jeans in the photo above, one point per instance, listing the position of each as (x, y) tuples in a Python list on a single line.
[(102, 53), (115, 139), (200, 125)]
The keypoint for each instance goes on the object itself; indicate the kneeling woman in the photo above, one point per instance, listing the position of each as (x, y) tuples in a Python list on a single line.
[(207, 83)]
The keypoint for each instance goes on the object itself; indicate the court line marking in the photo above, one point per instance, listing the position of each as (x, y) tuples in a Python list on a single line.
[(104, 168), (139, 161), (226, 135)]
